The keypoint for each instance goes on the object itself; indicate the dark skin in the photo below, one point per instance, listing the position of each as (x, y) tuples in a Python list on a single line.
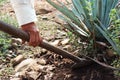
[(35, 39)]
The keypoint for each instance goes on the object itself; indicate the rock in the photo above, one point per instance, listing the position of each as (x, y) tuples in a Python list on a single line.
[(67, 47), (61, 33), (31, 69), (16, 40), (44, 51), (65, 41), (17, 60), (15, 79), (19, 74), (24, 64), (14, 45), (10, 51), (50, 68), (32, 75), (29, 65), (42, 11), (44, 18), (55, 43), (48, 76), (41, 61), (1, 65), (20, 51), (9, 55)]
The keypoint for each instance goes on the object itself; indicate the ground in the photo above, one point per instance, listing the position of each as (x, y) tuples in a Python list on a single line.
[(39, 64)]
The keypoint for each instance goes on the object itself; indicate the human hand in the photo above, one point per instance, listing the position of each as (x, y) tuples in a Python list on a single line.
[(35, 39)]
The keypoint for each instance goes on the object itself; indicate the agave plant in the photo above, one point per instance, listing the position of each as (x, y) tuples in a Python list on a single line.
[(89, 19)]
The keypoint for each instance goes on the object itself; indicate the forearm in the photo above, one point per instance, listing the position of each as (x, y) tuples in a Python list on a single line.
[(24, 10)]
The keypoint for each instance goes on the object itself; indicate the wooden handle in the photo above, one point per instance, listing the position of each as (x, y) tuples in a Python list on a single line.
[(18, 33)]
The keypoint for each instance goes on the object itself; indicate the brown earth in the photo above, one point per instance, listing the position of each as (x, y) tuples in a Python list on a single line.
[(55, 67)]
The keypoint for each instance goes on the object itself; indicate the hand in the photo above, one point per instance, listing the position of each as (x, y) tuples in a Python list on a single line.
[(35, 39)]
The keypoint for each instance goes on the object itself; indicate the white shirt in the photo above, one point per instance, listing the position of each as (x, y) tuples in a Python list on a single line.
[(24, 10)]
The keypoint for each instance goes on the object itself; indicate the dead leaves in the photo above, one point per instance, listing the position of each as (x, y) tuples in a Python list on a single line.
[(32, 69)]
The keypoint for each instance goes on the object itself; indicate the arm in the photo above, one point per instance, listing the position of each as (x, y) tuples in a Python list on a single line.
[(25, 13)]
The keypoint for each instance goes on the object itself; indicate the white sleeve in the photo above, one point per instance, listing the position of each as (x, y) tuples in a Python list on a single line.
[(24, 10)]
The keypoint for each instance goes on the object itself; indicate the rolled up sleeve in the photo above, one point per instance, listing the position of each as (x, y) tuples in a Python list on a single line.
[(24, 10)]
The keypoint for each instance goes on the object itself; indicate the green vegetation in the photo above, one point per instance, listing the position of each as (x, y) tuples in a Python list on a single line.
[(116, 63), (4, 44), (8, 19), (115, 26), (90, 20), (5, 39), (3, 1), (115, 34), (93, 21)]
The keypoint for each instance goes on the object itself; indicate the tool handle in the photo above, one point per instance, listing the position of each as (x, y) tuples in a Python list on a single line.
[(18, 33)]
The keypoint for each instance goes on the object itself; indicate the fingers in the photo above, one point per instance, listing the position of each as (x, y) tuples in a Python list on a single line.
[(32, 39), (38, 39), (33, 31), (35, 39), (23, 41)]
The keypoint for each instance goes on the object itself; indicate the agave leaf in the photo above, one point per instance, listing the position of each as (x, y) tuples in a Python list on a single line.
[(89, 17), (67, 13), (74, 28), (64, 10), (78, 7), (84, 4), (95, 8), (80, 13), (102, 10), (110, 4), (106, 35)]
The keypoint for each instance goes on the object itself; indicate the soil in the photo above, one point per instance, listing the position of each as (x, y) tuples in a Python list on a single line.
[(52, 31)]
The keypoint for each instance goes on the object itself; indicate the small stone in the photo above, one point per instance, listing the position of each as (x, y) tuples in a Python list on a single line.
[(42, 11), (41, 61), (10, 51), (65, 41), (61, 33), (20, 74), (55, 43), (44, 18), (25, 64), (48, 76), (50, 68), (44, 51), (14, 45), (9, 55), (17, 60), (15, 79), (16, 40), (68, 47), (32, 75)]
